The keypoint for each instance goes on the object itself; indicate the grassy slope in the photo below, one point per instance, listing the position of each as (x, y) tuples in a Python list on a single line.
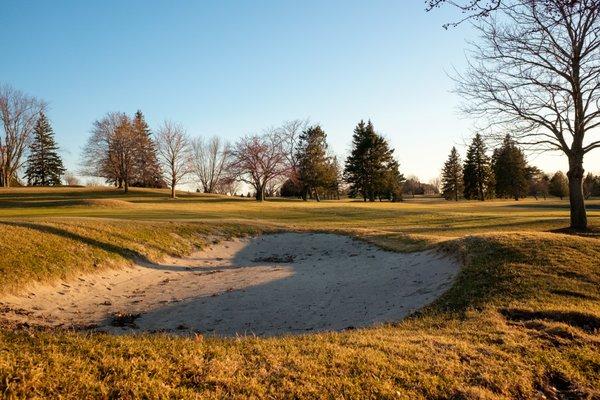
[(523, 317)]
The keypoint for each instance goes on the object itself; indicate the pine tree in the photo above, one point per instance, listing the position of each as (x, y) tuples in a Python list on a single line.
[(452, 176), (510, 170), (147, 169), (559, 185), (315, 167), (538, 182), (44, 165), (371, 164), (477, 173), (390, 182)]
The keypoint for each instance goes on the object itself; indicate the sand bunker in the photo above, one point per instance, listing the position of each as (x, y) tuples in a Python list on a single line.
[(266, 285)]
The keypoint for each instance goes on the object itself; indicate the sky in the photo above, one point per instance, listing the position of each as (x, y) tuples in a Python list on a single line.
[(231, 68)]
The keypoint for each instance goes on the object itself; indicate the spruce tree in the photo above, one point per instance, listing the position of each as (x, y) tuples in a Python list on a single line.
[(478, 177), (355, 170), (314, 164), (147, 169), (452, 176), (370, 164), (510, 170), (44, 165)]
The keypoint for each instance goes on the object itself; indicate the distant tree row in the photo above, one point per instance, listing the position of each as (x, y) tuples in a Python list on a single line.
[(506, 174)]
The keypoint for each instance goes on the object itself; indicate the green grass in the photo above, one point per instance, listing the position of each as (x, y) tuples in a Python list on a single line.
[(522, 319)]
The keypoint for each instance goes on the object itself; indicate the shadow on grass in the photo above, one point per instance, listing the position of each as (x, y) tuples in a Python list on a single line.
[(544, 206), (584, 321), (110, 248)]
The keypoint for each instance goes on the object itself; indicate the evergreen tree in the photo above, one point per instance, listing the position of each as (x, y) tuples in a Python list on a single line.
[(559, 185), (315, 167), (591, 185), (370, 167), (538, 182), (478, 177), (44, 165), (390, 182), (147, 169), (452, 176), (510, 170)]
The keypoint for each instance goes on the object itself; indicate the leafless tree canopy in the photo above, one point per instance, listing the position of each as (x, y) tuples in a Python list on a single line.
[(111, 151), (174, 152), (18, 115), (259, 160), (290, 135), (536, 74), (468, 8), (121, 151), (210, 161)]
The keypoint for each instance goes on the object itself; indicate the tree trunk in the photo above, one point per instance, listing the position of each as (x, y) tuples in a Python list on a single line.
[(5, 179), (260, 194), (576, 198), (317, 196), (173, 183)]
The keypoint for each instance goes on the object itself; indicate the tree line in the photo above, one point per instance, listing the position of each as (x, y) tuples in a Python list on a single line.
[(534, 71), (504, 174), (292, 160)]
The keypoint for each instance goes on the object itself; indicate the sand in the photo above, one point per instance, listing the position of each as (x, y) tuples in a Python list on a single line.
[(275, 284)]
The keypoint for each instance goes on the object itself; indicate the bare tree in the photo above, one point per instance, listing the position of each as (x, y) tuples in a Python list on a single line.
[(228, 184), (112, 150), (174, 152), (290, 132), (259, 160), (469, 8), (18, 113), (71, 179), (536, 73), (209, 162)]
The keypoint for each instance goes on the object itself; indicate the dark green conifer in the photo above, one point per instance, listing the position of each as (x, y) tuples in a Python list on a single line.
[(478, 177), (44, 165), (452, 177)]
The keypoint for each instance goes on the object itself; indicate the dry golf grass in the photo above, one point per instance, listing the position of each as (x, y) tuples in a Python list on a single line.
[(521, 321)]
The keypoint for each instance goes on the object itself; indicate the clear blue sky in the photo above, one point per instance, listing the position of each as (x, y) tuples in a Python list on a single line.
[(236, 67)]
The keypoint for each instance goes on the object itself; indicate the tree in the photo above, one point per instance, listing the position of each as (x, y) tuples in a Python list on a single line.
[(538, 181), (559, 185), (412, 186), (112, 150), (391, 182), (148, 172), (370, 167), (258, 160), (315, 168), (44, 165), (174, 152), (289, 133), (71, 179), (210, 160), (452, 177), (536, 72), (291, 188), (18, 114), (591, 185), (510, 170), (477, 173)]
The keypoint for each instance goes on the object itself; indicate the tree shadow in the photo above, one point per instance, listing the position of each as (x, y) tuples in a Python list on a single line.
[(107, 247)]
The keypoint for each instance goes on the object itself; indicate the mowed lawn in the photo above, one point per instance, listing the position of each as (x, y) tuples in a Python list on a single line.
[(521, 321)]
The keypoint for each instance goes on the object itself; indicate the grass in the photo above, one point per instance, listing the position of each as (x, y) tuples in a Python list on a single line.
[(521, 321)]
